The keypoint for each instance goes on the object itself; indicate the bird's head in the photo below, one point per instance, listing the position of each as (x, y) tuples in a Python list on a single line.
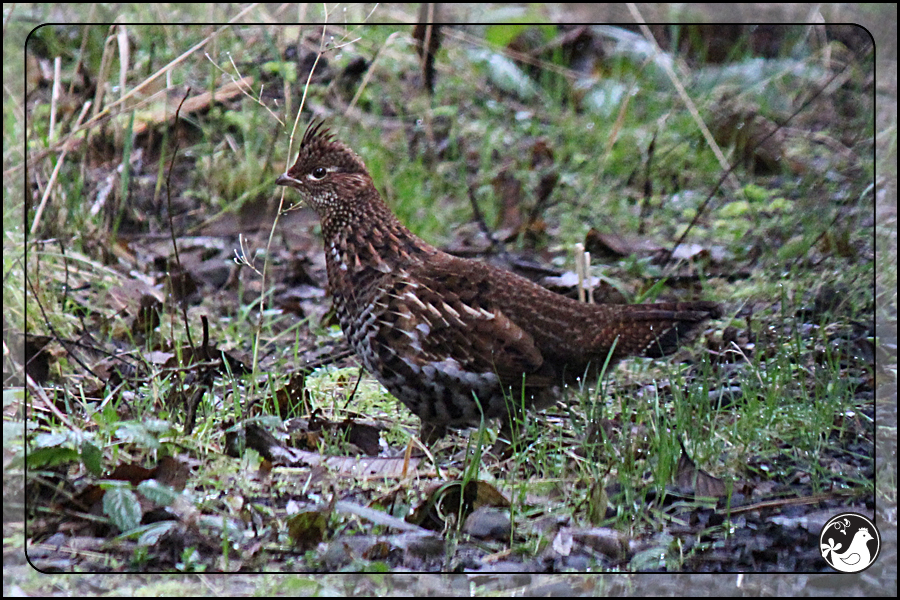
[(328, 175)]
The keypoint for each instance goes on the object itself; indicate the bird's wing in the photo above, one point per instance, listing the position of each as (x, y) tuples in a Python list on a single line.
[(436, 316)]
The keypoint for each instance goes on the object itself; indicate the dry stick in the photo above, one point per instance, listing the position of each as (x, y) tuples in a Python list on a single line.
[(368, 75), (192, 400), (265, 268), (716, 187), (102, 75), (52, 329), (106, 112), (355, 387), (204, 344), (65, 298), (682, 93), (570, 74), (38, 391), (579, 269), (648, 184), (620, 120), (124, 62), (54, 97), (85, 35), (52, 182), (427, 55), (171, 65), (187, 328), (66, 342), (240, 82), (496, 244), (780, 502)]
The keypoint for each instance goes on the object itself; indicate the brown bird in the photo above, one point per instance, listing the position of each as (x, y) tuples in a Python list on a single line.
[(459, 340)]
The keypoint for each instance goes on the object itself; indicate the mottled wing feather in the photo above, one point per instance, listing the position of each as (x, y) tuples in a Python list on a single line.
[(442, 316)]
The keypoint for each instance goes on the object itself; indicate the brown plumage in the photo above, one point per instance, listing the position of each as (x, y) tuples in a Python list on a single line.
[(455, 339)]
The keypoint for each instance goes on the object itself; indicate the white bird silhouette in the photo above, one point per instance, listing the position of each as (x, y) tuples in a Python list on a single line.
[(856, 557)]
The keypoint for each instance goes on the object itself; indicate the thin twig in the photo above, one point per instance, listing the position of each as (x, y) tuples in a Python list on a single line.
[(352, 395), (52, 182), (241, 80), (265, 269), (52, 329), (187, 328), (54, 97), (368, 74), (106, 113), (759, 143), (38, 391), (496, 244), (682, 93)]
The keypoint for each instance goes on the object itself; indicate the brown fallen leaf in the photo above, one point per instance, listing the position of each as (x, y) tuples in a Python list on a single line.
[(450, 499), (698, 481)]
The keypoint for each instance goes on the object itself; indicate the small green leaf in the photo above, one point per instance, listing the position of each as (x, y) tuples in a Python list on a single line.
[(794, 248), (307, 528), (122, 507), (779, 204), (92, 458), (755, 193), (139, 434), (738, 208), (287, 70), (50, 457), (153, 532), (502, 35), (157, 492)]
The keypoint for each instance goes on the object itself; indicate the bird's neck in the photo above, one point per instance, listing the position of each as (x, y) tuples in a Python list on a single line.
[(367, 240)]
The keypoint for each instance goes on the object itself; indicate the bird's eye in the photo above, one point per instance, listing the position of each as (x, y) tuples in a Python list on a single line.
[(319, 173)]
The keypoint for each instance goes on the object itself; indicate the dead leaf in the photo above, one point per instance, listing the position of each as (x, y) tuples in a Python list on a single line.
[(307, 529), (448, 500), (698, 481), (617, 246)]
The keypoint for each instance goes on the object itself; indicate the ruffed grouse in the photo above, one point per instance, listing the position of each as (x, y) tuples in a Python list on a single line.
[(458, 340)]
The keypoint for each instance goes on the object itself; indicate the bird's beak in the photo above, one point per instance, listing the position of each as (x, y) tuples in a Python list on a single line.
[(285, 179)]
